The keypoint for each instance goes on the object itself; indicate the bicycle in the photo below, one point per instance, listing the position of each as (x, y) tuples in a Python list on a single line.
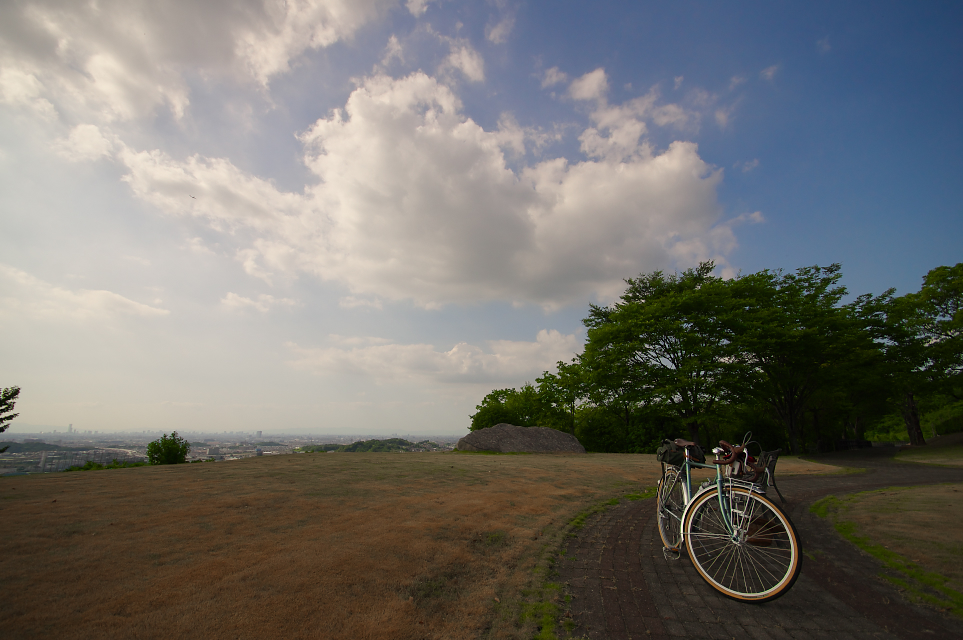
[(740, 542)]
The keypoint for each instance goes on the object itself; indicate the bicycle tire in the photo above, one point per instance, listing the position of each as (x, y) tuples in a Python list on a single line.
[(671, 509), (761, 563)]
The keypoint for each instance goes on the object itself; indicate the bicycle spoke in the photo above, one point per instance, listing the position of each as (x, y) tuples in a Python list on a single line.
[(757, 561)]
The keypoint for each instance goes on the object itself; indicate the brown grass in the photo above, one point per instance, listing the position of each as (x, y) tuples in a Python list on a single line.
[(357, 545), (947, 456), (922, 524)]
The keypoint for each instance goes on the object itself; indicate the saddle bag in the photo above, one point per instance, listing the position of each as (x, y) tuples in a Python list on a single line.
[(671, 453)]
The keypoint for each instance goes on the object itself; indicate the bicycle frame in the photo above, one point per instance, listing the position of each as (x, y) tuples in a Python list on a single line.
[(720, 482)]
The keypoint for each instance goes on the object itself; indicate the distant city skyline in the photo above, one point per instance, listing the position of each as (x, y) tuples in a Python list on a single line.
[(361, 217)]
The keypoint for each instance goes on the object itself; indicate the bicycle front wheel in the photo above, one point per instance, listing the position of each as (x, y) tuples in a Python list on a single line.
[(759, 561), (671, 508)]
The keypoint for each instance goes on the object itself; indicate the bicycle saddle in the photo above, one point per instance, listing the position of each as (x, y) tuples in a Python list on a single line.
[(683, 443)]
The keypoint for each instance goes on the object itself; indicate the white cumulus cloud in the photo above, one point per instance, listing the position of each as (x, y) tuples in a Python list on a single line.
[(419, 7), (262, 303), (417, 201), (499, 32), (591, 86), (503, 362), (85, 142), (553, 77), (122, 59), (464, 58)]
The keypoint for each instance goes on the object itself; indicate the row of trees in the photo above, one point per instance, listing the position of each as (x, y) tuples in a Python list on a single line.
[(774, 352)]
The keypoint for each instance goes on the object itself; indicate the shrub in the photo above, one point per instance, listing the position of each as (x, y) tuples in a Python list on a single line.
[(169, 449)]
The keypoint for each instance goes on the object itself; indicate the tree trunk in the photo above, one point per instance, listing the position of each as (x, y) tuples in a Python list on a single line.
[(793, 436), (819, 440), (858, 428), (911, 416), (694, 432)]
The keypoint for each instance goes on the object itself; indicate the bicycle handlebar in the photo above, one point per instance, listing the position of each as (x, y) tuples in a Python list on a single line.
[(731, 452)]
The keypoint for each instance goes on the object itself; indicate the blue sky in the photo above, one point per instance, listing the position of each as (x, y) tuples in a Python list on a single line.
[(359, 217)]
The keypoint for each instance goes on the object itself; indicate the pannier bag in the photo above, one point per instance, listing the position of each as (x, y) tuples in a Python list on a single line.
[(671, 453)]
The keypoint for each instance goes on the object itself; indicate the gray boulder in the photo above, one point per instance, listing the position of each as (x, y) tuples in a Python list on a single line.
[(507, 438)]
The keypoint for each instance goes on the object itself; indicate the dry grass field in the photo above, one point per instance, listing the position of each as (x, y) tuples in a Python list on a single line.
[(352, 545), (914, 532), (922, 524), (946, 451)]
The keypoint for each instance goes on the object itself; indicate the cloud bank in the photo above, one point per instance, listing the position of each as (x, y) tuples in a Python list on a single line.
[(417, 201), (414, 199), (505, 361), (25, 296), (122, 59)]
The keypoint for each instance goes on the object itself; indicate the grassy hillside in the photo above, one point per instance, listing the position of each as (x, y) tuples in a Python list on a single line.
[(368, 545)]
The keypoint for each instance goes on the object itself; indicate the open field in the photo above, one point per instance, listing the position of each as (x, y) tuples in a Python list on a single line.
[(914, 532), (352, 545), (945, 450)]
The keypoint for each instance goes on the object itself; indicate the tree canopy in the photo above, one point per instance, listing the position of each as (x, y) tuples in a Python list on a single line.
[(8, 399), (168, 449), (778, 353)]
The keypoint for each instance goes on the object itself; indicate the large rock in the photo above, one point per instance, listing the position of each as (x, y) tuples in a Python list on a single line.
[(507, 438)]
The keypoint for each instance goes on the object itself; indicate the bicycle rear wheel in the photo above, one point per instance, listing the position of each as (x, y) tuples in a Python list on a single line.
[(759, 561), (671, 508)]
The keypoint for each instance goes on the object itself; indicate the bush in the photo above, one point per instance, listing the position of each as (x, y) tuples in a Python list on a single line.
[(171, 449), (90, 465)]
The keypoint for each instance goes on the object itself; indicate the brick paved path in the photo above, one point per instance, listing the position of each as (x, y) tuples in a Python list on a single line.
[(622, 586)]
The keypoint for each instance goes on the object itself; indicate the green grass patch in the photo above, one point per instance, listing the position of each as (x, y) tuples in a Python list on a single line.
[(90, 465), (579, 521), (542, 604), (651, 492), (928, 586), (543, 610)]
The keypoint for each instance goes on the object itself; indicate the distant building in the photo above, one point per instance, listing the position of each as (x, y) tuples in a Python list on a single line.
[(214, 451), (258, 451), (258, 434)]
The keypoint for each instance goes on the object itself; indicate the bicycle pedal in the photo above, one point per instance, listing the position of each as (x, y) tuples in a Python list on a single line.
[(671, 554)]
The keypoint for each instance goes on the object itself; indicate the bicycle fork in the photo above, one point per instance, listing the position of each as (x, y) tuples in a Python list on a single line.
[(735, 516)]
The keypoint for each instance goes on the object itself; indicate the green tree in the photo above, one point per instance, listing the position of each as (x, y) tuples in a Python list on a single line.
[(522, 407), (896, 325), (171, 449), (563, 391), (940, 306), (615, 388), (668, 339), (795, 338), (8, 399), (921, 335), (492, 410)]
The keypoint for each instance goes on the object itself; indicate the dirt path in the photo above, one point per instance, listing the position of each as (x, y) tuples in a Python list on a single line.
[(622, 586)]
